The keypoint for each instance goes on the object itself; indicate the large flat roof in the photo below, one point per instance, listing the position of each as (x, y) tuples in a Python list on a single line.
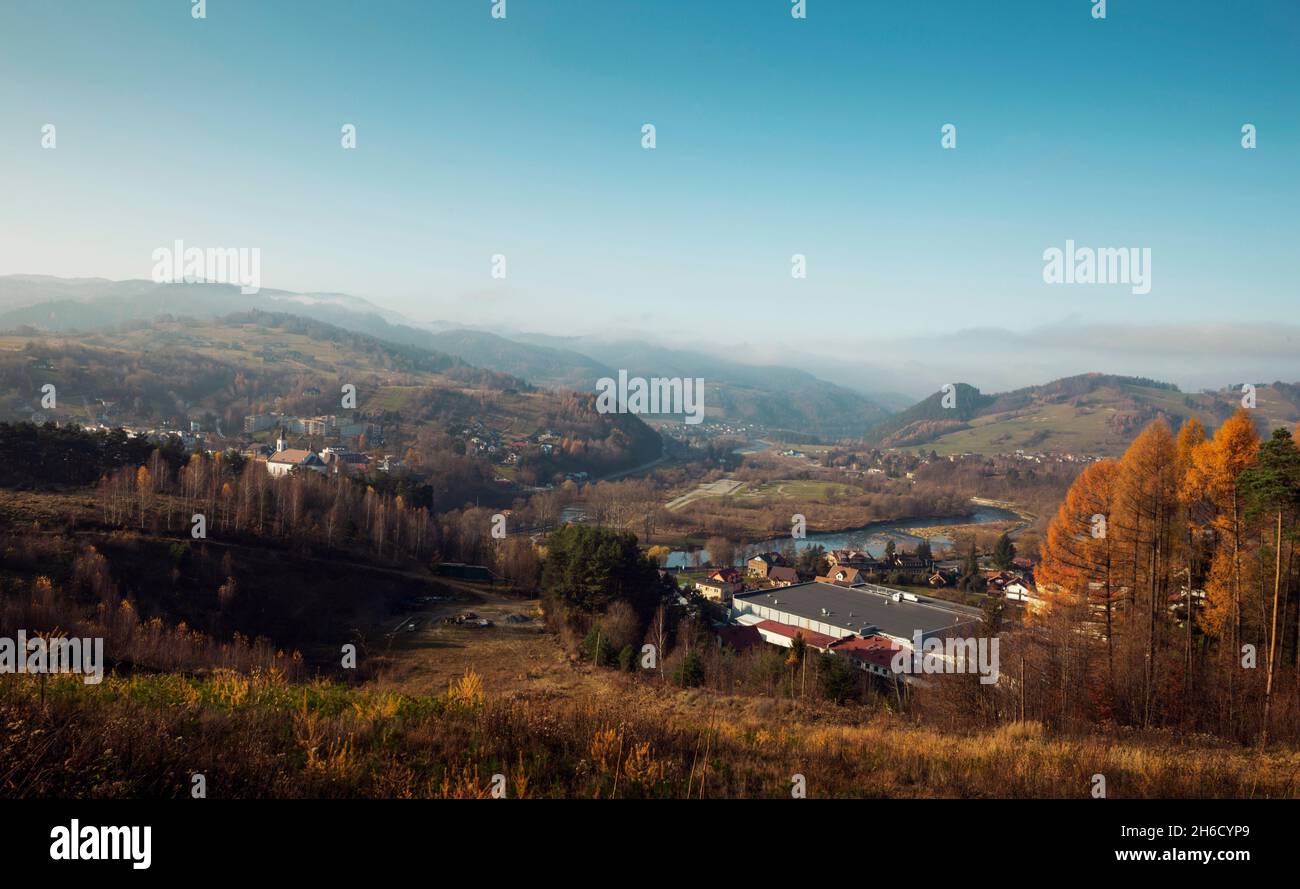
[(856, 607)]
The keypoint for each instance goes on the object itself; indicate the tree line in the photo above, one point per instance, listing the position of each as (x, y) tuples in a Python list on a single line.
[(1170, 585)]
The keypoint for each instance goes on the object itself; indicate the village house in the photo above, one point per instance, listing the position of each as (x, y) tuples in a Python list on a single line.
[(721, 585), (287, 459), (337, 460), (729, 575), (849, 558), (842, 576), (716, 589), (998, 580), (762, 564), (782, 575), (910, 562), (1019, 590), (258, 452)]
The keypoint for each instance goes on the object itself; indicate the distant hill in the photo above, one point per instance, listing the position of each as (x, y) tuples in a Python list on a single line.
[(217, 371), (540, 365), (50, 303), (780, 398), (1096, 414), (928, 419)]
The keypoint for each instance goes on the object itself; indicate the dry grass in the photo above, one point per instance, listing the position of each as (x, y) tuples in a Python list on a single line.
[(261, 735)]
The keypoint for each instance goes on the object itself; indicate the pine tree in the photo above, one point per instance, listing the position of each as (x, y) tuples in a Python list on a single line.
[(1273, 487), (690, 672), (1004, 551)]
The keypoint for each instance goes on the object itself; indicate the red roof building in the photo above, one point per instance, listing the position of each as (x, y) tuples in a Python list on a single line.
[(783, 635), (739, 638), (842, 576), (729, 575), (875, 654)]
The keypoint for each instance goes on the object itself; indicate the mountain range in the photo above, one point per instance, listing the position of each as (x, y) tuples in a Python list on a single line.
[(781, 399), (1092, 413)]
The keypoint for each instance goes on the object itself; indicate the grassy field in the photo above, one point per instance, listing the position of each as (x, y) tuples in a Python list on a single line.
[(393, 398), (1056, 427), (773, 492), (807, 490), (597, 734)]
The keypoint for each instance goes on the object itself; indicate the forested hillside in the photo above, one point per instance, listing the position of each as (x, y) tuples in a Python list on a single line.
[(215, 373)]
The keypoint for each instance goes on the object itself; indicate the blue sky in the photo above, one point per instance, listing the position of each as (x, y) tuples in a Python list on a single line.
[(775, 136)]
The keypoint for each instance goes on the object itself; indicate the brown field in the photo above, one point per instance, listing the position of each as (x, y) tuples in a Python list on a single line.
[(554, 729), (521, 658)]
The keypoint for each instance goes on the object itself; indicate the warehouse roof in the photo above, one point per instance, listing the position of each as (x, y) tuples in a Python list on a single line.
[(857, 608)]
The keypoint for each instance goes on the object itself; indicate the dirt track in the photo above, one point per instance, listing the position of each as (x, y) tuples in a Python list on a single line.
[(721, 488)]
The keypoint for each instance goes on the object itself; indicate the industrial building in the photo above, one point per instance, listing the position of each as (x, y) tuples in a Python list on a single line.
[(835, 611)]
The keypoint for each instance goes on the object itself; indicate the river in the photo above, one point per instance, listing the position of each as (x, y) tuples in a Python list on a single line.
[(869, 538)]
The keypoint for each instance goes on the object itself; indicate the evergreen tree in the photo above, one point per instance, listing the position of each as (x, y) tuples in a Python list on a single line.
[(690, 672), (1004, 551), (627, 659), (1272, 487), (588, 567), (798, 647), (596, 647), (836, 677), (992, 610)]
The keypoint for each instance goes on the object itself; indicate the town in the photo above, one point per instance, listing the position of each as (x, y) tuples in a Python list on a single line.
[(844, 612)]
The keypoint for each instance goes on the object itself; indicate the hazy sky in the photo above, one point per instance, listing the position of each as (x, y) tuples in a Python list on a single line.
[(775, 136)]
